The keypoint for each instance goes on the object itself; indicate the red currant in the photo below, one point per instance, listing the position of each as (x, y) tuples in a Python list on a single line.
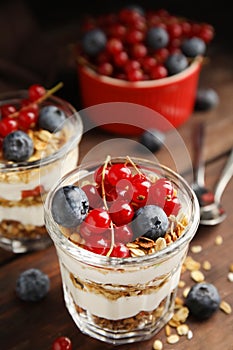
[(120, 58), (36, 91), (135, 75), (120, 251), (160, 191), (27, 118), (7, 110), (100, 246), (141, 188), (94, 198), (105, 68), (97, 221), (118, 172), (62, 343), (172, 206), (121, 212), (8, 125), (114, 46), (158, 72), (123, 234)]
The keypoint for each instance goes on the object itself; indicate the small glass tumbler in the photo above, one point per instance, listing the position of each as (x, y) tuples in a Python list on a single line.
[(122, 300), (24, 186)]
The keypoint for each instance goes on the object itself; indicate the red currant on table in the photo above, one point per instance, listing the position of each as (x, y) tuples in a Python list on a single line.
[(62, 343)]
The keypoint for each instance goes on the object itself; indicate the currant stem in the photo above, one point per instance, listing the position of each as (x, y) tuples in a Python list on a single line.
[(108, 159), (134, 165), (41, 99)]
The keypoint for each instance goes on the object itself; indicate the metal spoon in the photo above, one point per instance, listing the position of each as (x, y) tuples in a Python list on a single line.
[(213, 213)]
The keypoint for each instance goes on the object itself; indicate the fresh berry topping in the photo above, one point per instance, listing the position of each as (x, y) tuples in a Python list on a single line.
[(8, 125), (141, 186), (123, 234), (118, 172), (157, 38), (17, 146), (120, 251), (35, 92), (203, 300), (176, 63), (121, 212), (93, 42), (62, 343), (69, 206), (152, 139), (6, 110), (51, 118), (193, 47), (94, 198), (96, 221), (111, 41), (150, 221), (32, 285), (206, 99)]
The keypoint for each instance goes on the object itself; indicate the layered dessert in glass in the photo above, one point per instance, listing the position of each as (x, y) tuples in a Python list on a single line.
[(121, 238), (39, 137)]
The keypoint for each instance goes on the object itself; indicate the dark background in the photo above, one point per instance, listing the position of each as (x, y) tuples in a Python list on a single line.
[(36, 37)]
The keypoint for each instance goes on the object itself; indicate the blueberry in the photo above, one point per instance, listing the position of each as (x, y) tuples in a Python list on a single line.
[(202, 300), (51, 118), (136, 8), (157, 38), (93, 42), (152, 139), (32, 285), (17, 146), (193, 47), (206, 99), (176, 63), (150, 221), (69, 206)]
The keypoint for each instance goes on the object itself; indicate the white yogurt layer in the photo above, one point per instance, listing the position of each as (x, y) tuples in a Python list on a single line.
[(33, 215), (47, 176), (124, 306)]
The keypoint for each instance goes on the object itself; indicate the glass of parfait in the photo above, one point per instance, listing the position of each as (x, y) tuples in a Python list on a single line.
[(121, 238), (39, 137)]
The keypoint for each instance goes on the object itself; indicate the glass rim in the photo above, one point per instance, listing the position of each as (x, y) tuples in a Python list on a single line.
[(91, 258), (67, 147)]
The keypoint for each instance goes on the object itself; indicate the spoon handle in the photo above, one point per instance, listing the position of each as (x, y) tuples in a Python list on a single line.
[(198, 163), (225, 177)]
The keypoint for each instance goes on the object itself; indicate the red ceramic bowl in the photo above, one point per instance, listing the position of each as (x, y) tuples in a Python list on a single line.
[(171, 98)]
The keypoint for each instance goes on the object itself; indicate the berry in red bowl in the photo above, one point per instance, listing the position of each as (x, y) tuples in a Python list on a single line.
[(152, 58), (39, 135)]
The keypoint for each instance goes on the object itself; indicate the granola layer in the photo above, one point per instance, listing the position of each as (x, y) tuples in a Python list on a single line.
[(14, 229)]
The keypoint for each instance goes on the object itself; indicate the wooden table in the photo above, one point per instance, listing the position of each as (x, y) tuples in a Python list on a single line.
[(25, 326)]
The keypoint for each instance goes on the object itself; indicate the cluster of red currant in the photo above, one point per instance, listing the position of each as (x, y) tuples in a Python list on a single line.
[(120, 190), (23, 116), (124, 47)]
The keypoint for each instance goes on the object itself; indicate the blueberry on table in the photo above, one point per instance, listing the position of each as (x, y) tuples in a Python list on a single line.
[(193, 47), (206, 99), (157, 38), (176, 63), (203, 300), (17, 146), (150, 221), (94, 41), (32, 285), (152, 139), (70, 206), (51, 118)]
